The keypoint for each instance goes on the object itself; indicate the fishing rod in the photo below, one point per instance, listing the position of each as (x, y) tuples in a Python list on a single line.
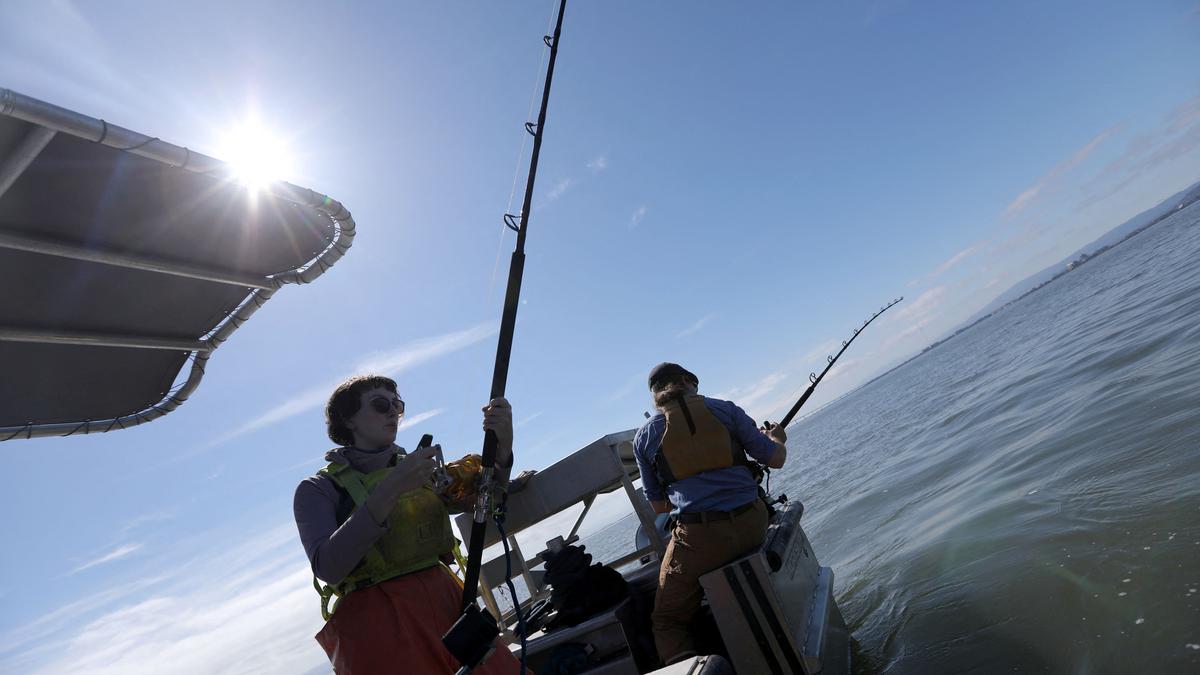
[(471, 638), (815, 379)]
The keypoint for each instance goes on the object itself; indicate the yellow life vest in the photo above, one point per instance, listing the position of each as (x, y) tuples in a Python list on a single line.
[(694, 441), (418, 534)]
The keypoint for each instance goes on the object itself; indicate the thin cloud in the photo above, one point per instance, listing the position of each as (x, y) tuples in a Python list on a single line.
[(418, 419), (527, 420), (559, 189), (33, 636), (598, 164), (692, 329), (626, 389), (115, 554), (925, 304), (1177, 135), (949, 264), (390, 363), (203, 619), (748, 396), (957, 258), (1050, 181), (146, 519), (638, 214)]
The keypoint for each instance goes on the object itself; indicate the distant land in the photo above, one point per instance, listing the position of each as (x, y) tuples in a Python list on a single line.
[(1130, 228), (1145, 219)]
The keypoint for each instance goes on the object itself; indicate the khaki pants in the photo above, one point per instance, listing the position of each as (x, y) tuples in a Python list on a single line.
[(695, 550)]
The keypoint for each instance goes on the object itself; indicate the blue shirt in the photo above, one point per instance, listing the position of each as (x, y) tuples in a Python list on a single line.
[(716, 490)]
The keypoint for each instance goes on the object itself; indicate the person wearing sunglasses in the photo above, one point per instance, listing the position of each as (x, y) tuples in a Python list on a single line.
[(379, 536)]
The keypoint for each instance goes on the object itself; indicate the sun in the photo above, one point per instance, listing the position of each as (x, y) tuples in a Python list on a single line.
[(256, 156)]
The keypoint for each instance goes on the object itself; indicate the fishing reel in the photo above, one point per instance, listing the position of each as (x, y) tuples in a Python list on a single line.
[(456, 480)]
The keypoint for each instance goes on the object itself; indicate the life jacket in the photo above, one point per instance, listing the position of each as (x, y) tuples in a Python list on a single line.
[(418, 534), (694, 441)]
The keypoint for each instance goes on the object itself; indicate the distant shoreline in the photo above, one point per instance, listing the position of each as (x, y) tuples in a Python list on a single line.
[(1083, 258)]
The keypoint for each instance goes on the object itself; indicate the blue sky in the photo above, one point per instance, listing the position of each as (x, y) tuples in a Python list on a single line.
[(730, 186)]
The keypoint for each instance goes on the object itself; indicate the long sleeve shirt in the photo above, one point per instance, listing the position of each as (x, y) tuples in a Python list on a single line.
[(716, 490), (334, 549)]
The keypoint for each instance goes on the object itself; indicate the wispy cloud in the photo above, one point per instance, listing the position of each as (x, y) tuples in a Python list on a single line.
[(914, 317), (1051, 180), (598, 164), (749, 396), (1176, 136), (949, 264), (116, 554), (638, 214), (560, 188), (390, 363), (35, 637), (527, 420), (819, 352), (957, 258), (631, 385), (924, 305), (414, 420), (146, 519), (692, 329), (249, 607)]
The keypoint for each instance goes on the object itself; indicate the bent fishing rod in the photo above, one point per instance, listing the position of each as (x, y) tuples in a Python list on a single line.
[(815, 379), (470, 639)]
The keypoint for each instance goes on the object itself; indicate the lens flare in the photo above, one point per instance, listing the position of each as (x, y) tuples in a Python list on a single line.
[(256, 156)]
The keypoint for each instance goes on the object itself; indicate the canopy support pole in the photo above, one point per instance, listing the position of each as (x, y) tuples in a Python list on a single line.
[(31, 146), (46, 247), (83, 339)]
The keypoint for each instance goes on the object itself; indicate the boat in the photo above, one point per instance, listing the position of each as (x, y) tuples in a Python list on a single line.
[(125, 259), (772, 611)]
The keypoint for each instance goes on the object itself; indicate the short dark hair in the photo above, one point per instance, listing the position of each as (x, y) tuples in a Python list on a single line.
[(345, 402)]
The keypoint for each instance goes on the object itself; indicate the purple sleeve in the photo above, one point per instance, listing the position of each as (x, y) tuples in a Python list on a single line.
[(332, 551), (757, 444)]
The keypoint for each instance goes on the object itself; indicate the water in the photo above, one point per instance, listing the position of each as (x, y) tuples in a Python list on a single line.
[(1025, 497)]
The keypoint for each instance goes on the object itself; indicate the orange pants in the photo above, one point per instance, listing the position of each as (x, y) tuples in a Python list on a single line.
[(397, 627), (694, 551)]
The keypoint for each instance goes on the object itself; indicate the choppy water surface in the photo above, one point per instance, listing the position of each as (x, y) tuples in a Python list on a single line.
[(1026, 496)]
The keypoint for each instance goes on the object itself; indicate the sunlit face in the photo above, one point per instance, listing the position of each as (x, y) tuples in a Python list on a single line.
[(374, 425), (256, 156)]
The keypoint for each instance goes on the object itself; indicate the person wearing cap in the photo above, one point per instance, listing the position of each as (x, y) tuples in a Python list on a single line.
[(693, 461)]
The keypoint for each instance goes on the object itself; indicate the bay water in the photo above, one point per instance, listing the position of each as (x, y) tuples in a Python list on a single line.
[(1024, 497)]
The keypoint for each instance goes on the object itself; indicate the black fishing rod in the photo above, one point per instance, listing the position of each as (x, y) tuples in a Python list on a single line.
[(815, 379), (470, 639)]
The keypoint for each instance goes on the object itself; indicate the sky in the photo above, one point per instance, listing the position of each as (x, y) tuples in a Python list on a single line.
[(730, 186)]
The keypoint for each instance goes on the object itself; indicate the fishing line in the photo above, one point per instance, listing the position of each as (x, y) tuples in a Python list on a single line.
[(533, 97)]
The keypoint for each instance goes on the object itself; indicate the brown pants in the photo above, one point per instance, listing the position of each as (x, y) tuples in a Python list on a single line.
[(695, 550)]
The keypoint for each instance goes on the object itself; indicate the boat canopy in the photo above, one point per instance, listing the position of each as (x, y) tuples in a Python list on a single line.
[(124, 260)]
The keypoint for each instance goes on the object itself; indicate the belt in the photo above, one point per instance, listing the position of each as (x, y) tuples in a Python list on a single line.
[(706, 516)]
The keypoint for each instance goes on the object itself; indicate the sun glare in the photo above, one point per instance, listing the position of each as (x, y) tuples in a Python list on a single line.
[(256, 156)]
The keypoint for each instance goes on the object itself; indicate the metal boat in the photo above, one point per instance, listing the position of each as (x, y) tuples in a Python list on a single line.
[(772, 611)]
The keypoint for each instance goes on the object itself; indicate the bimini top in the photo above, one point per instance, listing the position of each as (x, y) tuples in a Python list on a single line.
[(124, 259)]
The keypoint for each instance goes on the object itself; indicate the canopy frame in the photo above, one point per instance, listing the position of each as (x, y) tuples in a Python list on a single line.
[(48, 120)]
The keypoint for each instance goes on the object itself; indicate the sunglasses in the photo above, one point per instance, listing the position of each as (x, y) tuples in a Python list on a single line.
[(384, 405)]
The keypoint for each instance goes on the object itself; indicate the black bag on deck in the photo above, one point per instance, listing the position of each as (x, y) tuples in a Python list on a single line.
[(579, 589)]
